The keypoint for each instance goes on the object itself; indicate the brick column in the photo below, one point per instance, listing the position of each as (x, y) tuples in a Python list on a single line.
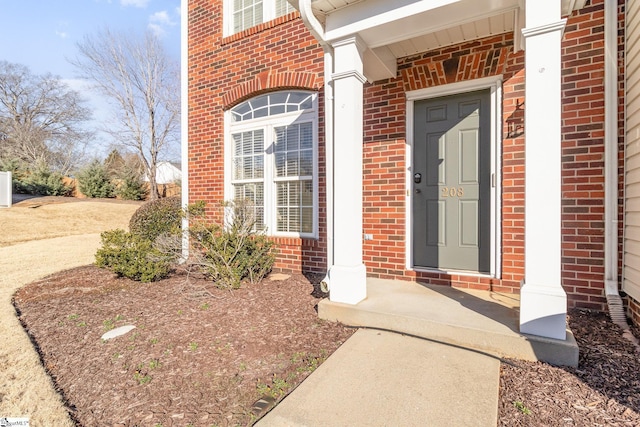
[(543, 305)]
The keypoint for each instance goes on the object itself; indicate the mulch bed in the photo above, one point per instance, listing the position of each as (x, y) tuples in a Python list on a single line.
[(603, 391), (198, 356), (201, 356)]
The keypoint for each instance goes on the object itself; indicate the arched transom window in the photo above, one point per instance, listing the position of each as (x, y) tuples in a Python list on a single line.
[(272, 160)]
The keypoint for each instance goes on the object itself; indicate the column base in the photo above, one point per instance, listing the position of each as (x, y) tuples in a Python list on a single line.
[(543, 311), (347, 284)]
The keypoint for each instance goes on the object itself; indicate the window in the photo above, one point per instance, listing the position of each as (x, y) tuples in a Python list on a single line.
[(243, 14), (272, 160)]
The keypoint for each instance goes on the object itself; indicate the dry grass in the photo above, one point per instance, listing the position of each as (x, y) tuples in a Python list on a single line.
[(46, 218), (35, 242)]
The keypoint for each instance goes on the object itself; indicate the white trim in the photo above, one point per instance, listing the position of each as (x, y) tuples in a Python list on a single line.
[(268, 123), (494, 84), (545, 29), (268, 14), (460, 273)]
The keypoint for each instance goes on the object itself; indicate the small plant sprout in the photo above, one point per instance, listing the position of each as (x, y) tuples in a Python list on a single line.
[(141, 378), (193, 346), (205, 306), (521, 407), (73, 316), (108, 325), (153, 341), (154, 364)]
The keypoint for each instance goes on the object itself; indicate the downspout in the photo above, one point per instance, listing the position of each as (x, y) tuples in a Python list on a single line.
[(328, 153), (184, 121), (315, 27), (614, 302)]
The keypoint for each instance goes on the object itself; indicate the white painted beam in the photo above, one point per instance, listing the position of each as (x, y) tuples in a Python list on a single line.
[(379, 63)]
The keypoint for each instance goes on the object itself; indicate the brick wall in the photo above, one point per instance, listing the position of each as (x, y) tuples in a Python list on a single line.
[(223, 72), (385, 160), (583, 155), (277, 55)]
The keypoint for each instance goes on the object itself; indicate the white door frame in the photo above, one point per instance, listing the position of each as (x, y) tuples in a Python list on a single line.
[(494, 84)]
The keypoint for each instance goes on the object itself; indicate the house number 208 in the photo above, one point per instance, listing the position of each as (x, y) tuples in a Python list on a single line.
[(452, 191)]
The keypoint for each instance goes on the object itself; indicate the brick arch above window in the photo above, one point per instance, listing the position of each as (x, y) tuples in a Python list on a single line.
[(421, 73), (269, 81)]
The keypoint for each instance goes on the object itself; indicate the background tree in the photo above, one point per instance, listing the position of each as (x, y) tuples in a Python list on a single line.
[(41, 120), (94, 181), (143, 84)]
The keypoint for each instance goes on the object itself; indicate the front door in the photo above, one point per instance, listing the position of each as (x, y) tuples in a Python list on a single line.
[(452, 182)]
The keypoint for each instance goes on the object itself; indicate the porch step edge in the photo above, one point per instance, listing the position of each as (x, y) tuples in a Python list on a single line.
[(517, 346)]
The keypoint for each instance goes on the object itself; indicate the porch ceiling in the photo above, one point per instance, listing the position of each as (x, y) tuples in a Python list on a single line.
[(399, 28)]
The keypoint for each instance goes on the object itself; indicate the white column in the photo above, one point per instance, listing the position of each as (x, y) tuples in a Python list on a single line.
[(543, 304), (348, 274)]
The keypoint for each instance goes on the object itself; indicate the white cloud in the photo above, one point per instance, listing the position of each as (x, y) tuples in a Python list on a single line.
[(161, 18), (135, 3), (159, 21), (61, 29), (157, 30)]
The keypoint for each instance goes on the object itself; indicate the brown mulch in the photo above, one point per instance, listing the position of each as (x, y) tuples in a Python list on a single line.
[(603, 391), (198, 355), (201, 356)]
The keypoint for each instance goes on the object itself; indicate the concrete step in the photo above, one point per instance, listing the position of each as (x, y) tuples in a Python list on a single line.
[(479, 320)]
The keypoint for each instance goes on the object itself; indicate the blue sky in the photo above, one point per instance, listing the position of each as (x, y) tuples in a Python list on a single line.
[(42, 34)]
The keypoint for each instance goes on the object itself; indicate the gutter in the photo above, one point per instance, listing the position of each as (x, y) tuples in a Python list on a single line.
[(614, 301), (315, 27)]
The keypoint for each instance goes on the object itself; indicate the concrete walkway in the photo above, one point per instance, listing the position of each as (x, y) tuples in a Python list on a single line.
[(380, 378), (27, 391)]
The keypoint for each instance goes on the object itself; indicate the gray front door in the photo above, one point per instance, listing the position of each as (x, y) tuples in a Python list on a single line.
[(451, 182)]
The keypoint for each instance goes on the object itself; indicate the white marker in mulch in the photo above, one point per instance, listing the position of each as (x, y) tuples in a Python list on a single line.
[(117, 332)]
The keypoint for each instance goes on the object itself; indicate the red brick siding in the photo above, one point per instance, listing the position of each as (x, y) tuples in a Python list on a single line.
[(385, 160), (583, 155), (223, 72), (280, 54), (633, 310)]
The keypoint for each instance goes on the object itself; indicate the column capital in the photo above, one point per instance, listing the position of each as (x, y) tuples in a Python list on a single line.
[(347, 74), (349, 41), (544, 29)]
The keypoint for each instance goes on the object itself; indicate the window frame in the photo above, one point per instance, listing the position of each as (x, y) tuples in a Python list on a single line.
[(269, 123), (268, 14)]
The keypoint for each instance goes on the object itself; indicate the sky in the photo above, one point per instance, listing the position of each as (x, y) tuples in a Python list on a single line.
[(43, 34)]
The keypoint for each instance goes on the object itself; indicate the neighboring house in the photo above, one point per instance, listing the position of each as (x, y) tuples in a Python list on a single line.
[(167, 173), (471, 143)]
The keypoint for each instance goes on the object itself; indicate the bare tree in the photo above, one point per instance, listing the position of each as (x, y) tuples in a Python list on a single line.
[(143, 84), (40, 119)]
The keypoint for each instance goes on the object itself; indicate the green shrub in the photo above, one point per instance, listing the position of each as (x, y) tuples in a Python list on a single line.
[(93, 181), (130, 185), (157, 217), (232, 252), (44, 182), (130, 256)]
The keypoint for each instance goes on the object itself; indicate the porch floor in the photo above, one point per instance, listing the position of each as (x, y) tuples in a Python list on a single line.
[(484, 321)]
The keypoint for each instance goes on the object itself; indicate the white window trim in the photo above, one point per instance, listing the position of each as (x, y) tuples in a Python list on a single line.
[(493, 83), (269, 123), (268, 14)]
